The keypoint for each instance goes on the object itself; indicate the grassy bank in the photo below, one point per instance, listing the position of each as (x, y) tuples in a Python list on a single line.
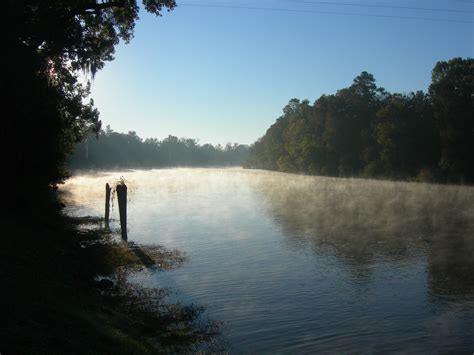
[(65, 290)]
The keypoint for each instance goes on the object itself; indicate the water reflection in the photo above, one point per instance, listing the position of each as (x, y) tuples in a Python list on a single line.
[(363, 221), (308, 264)]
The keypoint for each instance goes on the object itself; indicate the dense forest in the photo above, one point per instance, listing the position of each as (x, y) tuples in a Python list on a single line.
[(52, 303), (52, 300), (50, 43), (109, 149), (363, 130)]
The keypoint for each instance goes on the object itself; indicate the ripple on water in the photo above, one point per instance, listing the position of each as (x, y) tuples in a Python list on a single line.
[(308, 264)]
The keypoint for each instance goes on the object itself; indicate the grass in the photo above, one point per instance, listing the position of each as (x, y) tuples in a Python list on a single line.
[(54, 303)]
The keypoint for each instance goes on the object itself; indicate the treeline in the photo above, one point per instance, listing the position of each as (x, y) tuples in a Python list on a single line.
[(109, 149), (363, 130)]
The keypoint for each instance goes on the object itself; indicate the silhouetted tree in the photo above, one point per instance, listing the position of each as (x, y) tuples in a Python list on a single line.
[(48, 43)]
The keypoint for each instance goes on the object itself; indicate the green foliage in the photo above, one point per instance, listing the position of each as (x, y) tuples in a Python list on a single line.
[(452, 93), (363, 130), (111, 149), (49, 43), (406, 133)]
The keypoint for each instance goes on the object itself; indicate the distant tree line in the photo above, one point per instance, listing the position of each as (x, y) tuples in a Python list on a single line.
[(50, 44), (363, 130), (109, 149)]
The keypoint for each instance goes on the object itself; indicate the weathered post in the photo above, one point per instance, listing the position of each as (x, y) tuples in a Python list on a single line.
[(107, 204), (122, 202)]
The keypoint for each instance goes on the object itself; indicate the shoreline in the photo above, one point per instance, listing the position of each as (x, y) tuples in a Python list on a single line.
[(67, 291)]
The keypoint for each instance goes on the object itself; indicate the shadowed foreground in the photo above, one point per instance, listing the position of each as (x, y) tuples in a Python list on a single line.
[(66, 290), (306, 264)]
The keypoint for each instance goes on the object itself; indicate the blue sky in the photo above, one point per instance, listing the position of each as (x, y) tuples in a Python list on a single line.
[(223, 74)]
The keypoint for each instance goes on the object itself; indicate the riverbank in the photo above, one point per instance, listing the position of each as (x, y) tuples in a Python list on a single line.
[(303, 264), (65, 290)]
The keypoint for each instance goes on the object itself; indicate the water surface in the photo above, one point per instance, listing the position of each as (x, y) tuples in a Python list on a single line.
[(295, 263)]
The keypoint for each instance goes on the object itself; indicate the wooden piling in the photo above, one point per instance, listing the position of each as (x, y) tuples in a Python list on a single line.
[(122, 202), (107, 204)]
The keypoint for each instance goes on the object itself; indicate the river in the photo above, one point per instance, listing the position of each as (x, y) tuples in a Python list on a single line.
[(300, 264)]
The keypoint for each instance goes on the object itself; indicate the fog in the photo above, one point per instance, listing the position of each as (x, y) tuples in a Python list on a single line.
[(361, 220), (292, 261)]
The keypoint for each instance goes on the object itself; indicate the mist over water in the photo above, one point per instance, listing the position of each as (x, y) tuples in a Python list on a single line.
[(302, 264)]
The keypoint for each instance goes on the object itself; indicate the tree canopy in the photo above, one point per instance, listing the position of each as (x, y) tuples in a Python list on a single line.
[(363, 130), (49, 43), (111, 149)]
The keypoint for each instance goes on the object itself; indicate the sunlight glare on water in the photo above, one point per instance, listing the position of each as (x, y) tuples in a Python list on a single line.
[(302, 264)]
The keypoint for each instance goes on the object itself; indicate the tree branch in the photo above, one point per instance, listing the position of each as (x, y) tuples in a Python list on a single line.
[(94, 7)]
